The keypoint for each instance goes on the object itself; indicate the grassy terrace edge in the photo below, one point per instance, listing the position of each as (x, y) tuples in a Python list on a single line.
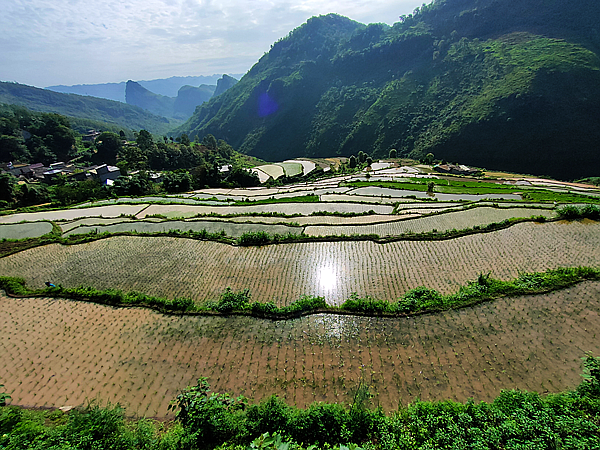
[(420, 300)]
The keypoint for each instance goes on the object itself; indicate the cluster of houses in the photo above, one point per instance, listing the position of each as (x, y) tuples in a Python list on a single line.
[(38, 172)]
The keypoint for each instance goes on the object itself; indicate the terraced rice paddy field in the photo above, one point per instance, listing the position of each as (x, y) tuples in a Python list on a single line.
[(443, 222), (229, 228), (174, 267), (61, 352), (24, 230)]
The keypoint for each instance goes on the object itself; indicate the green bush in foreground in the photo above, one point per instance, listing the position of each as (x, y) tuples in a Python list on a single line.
[(206, 420)]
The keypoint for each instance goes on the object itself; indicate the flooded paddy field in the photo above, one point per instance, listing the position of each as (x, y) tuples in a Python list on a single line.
[(176, 267), (63, 353)]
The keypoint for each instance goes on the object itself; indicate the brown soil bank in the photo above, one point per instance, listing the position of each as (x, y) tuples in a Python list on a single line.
[(173, 267), (59, 352)]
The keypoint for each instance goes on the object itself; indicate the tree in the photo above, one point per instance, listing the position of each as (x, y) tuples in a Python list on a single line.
[(180, 181), (145, 141), (362, 157), (8, 184), (29, 194), (138, 184), (429, 158), (393, 153), (243, 178), (12, 148), (108, 145), (54, 131), (185, 140), (352, 162), (133, 157), (369, 161), (210, 142)]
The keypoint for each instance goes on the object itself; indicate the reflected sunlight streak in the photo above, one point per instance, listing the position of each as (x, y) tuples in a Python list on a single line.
[(327, 278)]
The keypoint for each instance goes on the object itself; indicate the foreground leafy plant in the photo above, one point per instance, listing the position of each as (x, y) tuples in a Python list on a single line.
[(207, 420), (3, 396)]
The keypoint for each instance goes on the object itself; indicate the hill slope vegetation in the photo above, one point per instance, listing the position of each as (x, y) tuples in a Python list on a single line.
[(507, 84), (109, 113)]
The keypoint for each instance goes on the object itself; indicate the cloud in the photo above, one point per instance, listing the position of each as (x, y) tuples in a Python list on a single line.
[(48, 42)]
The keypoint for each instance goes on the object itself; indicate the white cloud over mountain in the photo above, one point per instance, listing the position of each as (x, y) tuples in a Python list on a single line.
[(45, 42)]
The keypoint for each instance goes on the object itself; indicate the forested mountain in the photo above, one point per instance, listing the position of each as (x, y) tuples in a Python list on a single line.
[(99, 112), (180, 107), (224, 83), (509, 84), (188, 97), (137, 95)]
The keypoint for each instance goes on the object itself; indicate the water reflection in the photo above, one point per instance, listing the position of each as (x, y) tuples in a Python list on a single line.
[(327, 278), (334, 327)]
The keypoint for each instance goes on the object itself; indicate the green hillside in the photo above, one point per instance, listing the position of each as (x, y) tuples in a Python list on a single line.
[(107, 113), (507, 84)]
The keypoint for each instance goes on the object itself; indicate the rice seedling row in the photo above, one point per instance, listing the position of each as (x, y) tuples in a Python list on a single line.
[(314, 220), (444, 222), (229, 228), (175, 267), (397, 193), (95, 221), (280, 208), (183, 198), (356, 198), (72, 214), (61, 353)]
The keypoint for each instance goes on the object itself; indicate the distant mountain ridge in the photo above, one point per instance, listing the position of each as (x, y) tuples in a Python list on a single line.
[(168, 87), (104, 112), (180, 107), (509, 84)]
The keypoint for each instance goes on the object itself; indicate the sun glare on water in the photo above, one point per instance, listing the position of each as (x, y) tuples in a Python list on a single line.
[(327, 278)]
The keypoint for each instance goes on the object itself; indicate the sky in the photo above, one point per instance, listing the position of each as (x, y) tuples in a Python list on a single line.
[(51, 42)]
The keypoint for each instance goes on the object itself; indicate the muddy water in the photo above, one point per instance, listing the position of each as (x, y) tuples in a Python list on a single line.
[(59, 352)]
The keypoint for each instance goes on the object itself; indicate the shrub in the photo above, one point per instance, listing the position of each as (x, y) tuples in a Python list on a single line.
[(320, 423), (271, 415), (254, 238), (3, 396), (365, 305), (590, 386), (419, 298), (591, 212), (183, 304), (305, 303), (111, 296), (568, 212), (15, 286), (10, 416), (233, 301), (208, 418), (264, 308)]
